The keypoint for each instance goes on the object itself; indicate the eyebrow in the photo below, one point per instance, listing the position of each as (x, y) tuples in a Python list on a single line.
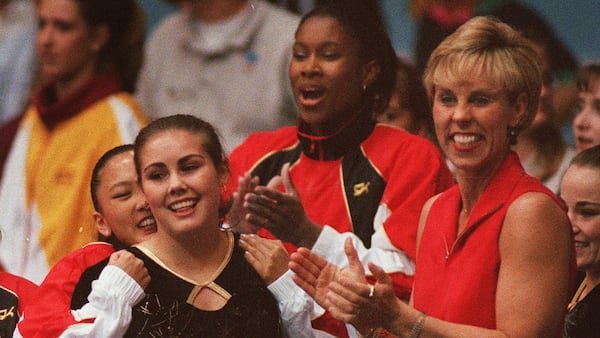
[(179, 161), (189, 157), (581, 204)]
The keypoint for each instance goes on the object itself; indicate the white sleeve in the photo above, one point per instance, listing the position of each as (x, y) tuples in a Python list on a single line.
[(296, 308), (330, 245), (108, 313)]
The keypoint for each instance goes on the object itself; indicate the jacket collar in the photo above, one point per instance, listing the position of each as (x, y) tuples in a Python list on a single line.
[(52, 112), (336, 145)]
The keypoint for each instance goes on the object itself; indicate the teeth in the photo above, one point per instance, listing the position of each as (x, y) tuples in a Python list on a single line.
[(146, 222), (465, 140), (182, 204), (580, 244)]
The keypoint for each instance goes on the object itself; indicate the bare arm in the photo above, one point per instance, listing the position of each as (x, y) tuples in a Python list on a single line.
[(535, 248)]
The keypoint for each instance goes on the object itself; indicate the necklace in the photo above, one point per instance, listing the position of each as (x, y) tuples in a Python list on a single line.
[(577, 295), (447, 249)]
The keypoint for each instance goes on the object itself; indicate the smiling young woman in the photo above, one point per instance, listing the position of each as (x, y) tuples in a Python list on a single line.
[(200, 284), (579, 191)]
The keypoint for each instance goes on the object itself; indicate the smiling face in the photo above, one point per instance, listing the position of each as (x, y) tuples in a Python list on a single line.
[(579, 190), (180, 181), (471, 120), (66, 45), (586, 124), (327, 74), (125, 211)]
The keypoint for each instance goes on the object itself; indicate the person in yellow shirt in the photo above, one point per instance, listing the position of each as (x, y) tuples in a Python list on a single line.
[(89, 55)]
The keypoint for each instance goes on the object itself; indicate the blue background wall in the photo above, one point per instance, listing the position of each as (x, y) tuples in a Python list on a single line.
[(576, 22)]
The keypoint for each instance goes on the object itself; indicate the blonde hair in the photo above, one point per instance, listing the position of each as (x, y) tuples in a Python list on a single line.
[(484, 47)]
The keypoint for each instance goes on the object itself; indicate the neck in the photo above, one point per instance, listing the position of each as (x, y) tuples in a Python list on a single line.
[(192, 256), (217, 10), (525, 146), (65, 87), (592, 279), (471, 187)]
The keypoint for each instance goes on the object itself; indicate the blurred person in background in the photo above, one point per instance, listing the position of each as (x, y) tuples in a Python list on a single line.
[(543, 151), (409, 107), (226, 59), (18, 59), (586, 123), (89, 54)]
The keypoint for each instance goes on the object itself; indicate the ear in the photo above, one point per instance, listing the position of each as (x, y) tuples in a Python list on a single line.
[(101, 34), (101, 224), (519, 110), (370, 72)]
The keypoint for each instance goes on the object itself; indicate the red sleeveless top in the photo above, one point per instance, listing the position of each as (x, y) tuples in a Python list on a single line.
[(457, 274)]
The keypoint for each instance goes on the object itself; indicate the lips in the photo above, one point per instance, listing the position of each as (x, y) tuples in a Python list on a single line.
[(46, 57), (583, 142), (310, 96)]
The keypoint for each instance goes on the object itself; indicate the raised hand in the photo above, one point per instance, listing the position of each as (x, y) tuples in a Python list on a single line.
[(238, 214), (345, 293), (364, 306), (131, 265), (280, 212)]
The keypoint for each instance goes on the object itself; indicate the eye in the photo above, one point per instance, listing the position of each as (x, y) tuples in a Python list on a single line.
[(588, 212), (41, 23), (190, 167), (299, 55), (156, 175), (577, 107), (446, 99), (64, 26), (480, 100), (122, 195), (330, 55)]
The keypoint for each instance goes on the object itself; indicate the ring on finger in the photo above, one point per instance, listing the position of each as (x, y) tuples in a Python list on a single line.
[(371, 290)]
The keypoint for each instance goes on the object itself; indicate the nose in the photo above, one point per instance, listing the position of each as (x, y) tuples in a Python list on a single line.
[(176, 184), (574, 226), (311, 67), (44, 35), (461, 113), (143, 204), (580, 122)]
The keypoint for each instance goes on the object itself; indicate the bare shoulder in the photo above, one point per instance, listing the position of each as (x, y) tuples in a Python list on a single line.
[(535, 217)]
